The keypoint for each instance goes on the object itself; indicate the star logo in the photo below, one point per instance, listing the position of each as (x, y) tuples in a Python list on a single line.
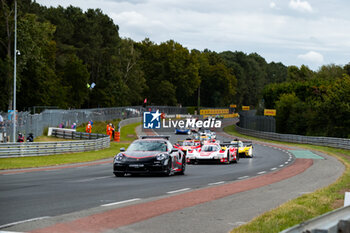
[(151, 120), (155, 115)]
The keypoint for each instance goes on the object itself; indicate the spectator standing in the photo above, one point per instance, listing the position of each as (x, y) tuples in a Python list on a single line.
[(109, 130), (113, 130), (88, 128), (74, 126), (30, 138), (20, 137), (1, 122)]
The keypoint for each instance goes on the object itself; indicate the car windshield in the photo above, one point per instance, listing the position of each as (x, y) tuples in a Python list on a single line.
[(208, 148), (148, 146), (235, 143), (188, 143)]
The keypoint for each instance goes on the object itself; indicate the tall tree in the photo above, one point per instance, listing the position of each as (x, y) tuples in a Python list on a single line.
[(37, 80)]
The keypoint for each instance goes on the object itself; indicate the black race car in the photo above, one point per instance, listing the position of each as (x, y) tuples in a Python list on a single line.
[(150, 154)]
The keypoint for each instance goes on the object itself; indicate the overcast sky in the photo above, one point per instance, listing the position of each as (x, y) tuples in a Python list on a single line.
[(294, 32)]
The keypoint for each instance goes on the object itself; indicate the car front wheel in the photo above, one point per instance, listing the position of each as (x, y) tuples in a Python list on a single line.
[(169, 170), (183, 168), (119, 174)]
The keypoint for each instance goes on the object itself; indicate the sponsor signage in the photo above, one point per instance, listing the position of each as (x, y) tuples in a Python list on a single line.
[(233, 106), (245, 108), (213, 111), (270, 112)]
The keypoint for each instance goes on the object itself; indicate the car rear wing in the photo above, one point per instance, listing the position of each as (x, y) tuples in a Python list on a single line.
[(228, 144), (167, 137), (247, 143)]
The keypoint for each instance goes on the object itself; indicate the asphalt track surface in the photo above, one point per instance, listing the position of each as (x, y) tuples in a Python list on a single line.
[(44, 194), (54, 192)]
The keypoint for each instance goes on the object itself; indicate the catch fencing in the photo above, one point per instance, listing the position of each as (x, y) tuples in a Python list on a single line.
[(248, 120), (340, 143), (128, 121), (36, 123), (91, 142)]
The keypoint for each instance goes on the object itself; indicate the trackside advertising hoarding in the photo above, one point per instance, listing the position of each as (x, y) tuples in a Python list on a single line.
[(270, 112)]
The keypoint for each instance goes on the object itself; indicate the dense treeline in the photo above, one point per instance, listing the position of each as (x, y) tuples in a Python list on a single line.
[(64, 49), (312, 103)]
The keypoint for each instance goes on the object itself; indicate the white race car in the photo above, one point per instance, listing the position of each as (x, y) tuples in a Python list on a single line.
[(210, 134), (213, 151)]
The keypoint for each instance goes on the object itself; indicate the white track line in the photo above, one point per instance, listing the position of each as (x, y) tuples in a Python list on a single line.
[(24, 221), (11, 232), (17, 173), (177, 191), (242, 177), (272, 169), (281, 165), (216, 183), (90, 179), (263, 172), (121, 202)]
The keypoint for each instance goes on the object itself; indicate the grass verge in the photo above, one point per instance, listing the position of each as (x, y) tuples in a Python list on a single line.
[(128, 133), (306, 206), (61, 159), (50, 139), (99, 126)]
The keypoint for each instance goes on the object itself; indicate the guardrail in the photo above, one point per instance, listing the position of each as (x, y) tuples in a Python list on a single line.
[(128, 121), (340, 143), (89, 142), (332, 222)]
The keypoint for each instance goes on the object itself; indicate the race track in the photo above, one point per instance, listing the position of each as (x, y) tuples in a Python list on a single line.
[(41, 194)]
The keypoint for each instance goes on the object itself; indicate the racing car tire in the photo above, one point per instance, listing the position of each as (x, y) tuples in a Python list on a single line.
[(237, 159), (119, 174), (183, 168), (169, 171), (228, 158)]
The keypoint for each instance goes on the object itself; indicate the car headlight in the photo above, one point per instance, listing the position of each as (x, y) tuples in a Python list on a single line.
[(161, 156), (119, 157)]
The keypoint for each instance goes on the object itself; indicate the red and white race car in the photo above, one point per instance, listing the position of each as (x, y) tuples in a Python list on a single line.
[(188, 144), (214, 151)]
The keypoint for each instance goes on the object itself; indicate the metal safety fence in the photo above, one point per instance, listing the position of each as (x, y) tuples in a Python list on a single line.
[(88, 142), (336, 221), (341, 143), (36, 123), (248, 120)]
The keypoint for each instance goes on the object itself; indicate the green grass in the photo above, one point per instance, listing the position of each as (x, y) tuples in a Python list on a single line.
[(128, 133), (49, 139), (306, 206), (51, 160), (99, 126)]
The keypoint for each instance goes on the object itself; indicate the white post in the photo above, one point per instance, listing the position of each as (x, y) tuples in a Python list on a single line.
[(14, 75), (347, 199)]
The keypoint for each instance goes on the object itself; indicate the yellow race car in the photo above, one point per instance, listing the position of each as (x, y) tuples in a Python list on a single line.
[(245, 148)]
